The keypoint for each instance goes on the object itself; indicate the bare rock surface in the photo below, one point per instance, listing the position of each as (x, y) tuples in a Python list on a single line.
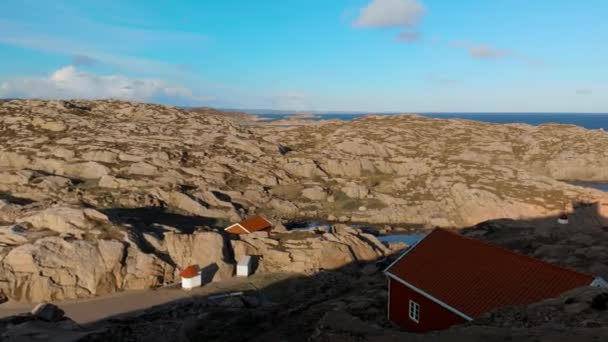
[(308, 253), (104, 196), (343, 304), (401, 169), (208, 250)]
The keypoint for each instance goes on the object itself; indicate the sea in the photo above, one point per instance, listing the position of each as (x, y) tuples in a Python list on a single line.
[(586, 120)]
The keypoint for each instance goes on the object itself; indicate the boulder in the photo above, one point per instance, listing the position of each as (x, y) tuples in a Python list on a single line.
[(48, 312), (192, 206), (346, 168), (101, 156), (284, 208), (315, 193), (13, 160), (63, 220), (95, 215), (354, 190), (55, 269), (142, 168), (87, 170), (130, 157), (303, 168), (54, 182), (143, 271), (63, 153), (311, 254), (208, 250), (118, 183), (13, 235), (279, 227), (21, 177)]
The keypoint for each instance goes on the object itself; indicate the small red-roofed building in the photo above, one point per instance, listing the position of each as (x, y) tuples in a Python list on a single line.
[(447, 279), (250, 225), (191, 277)]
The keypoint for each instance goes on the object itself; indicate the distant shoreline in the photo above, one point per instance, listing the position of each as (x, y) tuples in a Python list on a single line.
[(585, 120)]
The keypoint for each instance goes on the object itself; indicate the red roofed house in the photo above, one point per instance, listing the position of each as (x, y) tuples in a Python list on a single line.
[(191, 277), (448, 279), (250, 225)]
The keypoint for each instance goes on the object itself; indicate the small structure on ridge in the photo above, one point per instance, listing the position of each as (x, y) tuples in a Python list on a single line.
[(244, 266), (191, 277), (250, 225), (562, 219)]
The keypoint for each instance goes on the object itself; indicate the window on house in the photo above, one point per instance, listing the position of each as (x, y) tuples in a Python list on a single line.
[(414, 311)]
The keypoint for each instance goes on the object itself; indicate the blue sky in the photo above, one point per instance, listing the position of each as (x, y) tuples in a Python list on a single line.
[(332, 55)]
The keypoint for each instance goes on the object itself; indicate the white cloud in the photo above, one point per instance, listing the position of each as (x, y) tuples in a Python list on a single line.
[(484, 51), (409, 36), (390, 13), (481, 50), (113, 45), (68, 82), (487, 52)]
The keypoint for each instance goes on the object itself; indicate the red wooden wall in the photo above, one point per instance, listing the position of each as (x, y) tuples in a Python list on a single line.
[(432, 315)]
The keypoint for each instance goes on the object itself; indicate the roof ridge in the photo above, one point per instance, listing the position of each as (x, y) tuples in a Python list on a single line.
[(256, 216), (520, 255)]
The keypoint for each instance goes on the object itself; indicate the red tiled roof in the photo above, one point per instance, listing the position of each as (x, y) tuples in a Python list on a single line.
[(236, 229), (189, 272), (250, 225), (475, 277)]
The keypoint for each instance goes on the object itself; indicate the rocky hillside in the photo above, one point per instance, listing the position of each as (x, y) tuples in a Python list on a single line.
[(397, 170), (330, 306), (349, 303), (439, 172), (126, 183), (103, 196)]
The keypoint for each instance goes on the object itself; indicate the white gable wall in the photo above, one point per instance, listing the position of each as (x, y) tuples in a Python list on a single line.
[(599, 282), (189, 283)]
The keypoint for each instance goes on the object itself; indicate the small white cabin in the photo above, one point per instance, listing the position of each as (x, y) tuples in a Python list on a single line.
[(244, 266), (191, 277)]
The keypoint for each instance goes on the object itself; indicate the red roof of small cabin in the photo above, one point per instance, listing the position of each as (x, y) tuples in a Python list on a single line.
[(250, 225), (474, 277), (189, 272)]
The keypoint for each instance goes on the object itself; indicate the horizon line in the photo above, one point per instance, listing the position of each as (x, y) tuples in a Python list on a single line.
[(347, 112), (266, 111)]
